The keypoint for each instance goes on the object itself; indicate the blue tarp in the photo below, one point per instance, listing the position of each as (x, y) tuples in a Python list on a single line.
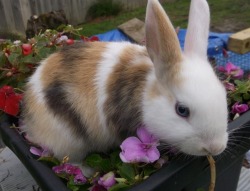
[(113, 35), (216, 43)]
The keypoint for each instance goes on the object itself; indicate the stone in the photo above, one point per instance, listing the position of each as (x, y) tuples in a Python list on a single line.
[(135, 29)]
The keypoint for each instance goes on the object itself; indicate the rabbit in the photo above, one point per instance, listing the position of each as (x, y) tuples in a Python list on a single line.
[(90, 96)]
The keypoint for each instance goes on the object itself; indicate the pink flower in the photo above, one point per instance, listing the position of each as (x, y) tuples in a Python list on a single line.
[(107, 180), (239, 108), (70, 170), (238, 73), (143, 149), (229, 86), (41, 152), (97, 187), (231, 69)]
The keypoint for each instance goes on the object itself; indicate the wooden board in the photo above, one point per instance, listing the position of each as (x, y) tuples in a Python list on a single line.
[(240, 42), (135, 29)]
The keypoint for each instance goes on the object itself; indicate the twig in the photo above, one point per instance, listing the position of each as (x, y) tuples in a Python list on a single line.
[(213, 173)]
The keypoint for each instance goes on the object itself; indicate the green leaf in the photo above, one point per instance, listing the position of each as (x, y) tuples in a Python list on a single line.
[(246, 96), (238, 82), (106, 165), (148, 170), (120, 187), (13, 57), (115, 158), (93, 159), (127, 171), (27, 59), (50, 161), (44, 52), (98, 162), (23, 68), (237, 97), (3, 59)]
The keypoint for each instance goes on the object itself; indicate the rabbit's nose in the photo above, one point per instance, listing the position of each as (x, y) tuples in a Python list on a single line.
[(214, 149)]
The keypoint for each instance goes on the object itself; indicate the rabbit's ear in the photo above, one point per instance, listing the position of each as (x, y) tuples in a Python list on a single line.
[(162, 42), (198, 28)]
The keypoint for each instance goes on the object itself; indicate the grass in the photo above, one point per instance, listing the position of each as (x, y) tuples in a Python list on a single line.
[(104, 8), (226, 16), (12, 36)]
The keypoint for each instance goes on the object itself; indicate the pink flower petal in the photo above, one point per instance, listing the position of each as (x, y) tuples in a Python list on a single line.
[(132, 151), (107, 180), (36, 151), (153, 154), (229, 86), (230, 67), (221, 69), (239, 108), (145, 136), (131, 142), (238, 73), (80, 179), (133, 156)]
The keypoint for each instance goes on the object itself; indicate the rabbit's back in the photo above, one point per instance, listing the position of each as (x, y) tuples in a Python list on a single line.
[(86, 97)]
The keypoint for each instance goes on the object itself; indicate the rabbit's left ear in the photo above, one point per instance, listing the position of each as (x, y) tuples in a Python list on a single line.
[(162, 43), (198, 28)]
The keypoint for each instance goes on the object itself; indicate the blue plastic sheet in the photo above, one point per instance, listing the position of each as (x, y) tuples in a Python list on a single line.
[(113, 35), (216, 43)]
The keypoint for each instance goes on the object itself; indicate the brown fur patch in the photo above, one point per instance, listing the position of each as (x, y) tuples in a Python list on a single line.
[(51, 69), (75, 67), (169, 50), (125, 87)]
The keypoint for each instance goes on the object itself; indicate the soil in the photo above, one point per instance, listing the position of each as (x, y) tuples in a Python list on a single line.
[(229, 26)]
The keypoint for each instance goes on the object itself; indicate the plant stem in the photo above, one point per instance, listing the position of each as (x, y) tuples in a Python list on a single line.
[(213, 172)]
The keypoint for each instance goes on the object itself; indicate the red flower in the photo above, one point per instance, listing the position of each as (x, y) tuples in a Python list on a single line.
[(26, 49), (9, 100), (69, 41), (91, 39)]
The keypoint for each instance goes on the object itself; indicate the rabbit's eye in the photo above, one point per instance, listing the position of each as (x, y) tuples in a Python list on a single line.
[(182, 110)]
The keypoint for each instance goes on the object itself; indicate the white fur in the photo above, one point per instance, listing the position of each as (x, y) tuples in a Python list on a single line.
[(198, 88), (36, 82), (110, 59), (205, 96), (196, 40)]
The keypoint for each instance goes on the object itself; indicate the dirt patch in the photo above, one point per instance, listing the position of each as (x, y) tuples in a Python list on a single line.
[(100, 19), (229, 26)]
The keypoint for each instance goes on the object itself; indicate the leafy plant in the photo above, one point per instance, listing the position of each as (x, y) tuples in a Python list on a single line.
[(238, 89)]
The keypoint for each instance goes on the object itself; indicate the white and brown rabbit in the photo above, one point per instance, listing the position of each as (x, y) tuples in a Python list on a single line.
[(90, 96)]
